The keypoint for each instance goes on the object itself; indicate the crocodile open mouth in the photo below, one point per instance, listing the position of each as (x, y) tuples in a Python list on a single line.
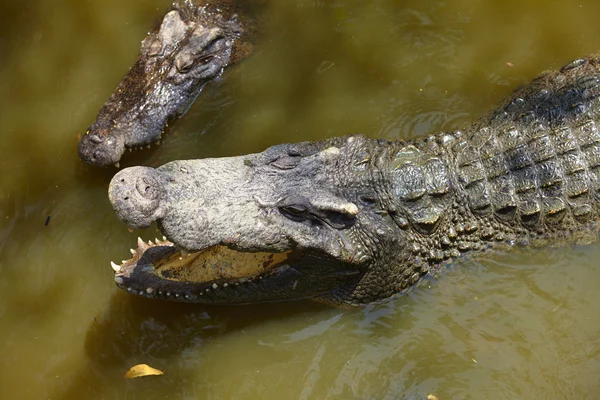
[(161, 270)]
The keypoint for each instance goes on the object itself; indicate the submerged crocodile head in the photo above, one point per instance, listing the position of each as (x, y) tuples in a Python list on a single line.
[(295, 221), (191, 47)]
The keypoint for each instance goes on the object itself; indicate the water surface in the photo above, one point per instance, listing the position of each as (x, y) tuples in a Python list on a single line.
[(502, 326)]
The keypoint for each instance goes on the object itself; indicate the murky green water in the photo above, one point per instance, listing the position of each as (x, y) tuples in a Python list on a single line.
[(519, 325)]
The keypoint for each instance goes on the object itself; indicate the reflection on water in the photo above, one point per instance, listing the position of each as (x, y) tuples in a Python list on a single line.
[(518, 325)]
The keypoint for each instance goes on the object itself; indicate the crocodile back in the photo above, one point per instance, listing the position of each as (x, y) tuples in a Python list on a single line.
[(533, 164)]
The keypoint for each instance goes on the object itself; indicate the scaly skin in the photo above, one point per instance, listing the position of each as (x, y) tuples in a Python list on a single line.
[(190, 48), (353, 220)]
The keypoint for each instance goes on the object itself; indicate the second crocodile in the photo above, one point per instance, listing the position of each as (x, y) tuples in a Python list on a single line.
[(191, 47)]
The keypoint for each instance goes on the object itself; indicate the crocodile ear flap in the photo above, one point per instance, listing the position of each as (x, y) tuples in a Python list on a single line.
[(335, 211), (324, 207), (342, 207)]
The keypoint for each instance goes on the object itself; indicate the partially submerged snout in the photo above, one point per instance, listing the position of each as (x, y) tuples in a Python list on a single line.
[(191, 47), (101, 150)]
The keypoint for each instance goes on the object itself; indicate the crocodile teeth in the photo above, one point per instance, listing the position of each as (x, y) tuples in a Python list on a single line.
[(117, 165), (115, 267), (164, 238), (133, 252), (141, 245)]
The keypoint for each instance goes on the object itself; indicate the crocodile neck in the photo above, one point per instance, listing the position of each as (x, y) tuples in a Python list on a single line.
[(526, 173)]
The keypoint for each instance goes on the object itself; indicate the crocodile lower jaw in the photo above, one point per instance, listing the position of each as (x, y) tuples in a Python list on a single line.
[(160, 269)]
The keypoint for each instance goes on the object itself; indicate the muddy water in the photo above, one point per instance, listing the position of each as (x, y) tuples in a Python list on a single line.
[(505, 326)]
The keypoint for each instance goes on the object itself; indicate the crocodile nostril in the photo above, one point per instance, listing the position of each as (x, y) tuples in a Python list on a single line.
[(135, 194), (147, 187)]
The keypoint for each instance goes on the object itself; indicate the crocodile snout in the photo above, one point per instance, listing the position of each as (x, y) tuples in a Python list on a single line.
[(101, 149), (135, 194)]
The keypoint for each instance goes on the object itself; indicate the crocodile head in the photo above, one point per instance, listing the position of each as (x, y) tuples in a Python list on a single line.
[(191, 47), (295, 221)]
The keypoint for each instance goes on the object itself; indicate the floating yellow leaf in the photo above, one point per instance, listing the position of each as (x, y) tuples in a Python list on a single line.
[(142, 370), (432, 397)]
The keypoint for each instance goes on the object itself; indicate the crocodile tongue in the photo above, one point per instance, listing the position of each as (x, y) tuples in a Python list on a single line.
[(215, 263)]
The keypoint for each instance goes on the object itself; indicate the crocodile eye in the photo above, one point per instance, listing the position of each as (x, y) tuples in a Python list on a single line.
[(184, 63), (286, 162), (296, 210), (295, 213), (206, 58), (295, 207)]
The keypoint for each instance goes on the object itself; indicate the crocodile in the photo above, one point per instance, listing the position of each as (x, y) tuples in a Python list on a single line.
[(191, 47), (353, 220)]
